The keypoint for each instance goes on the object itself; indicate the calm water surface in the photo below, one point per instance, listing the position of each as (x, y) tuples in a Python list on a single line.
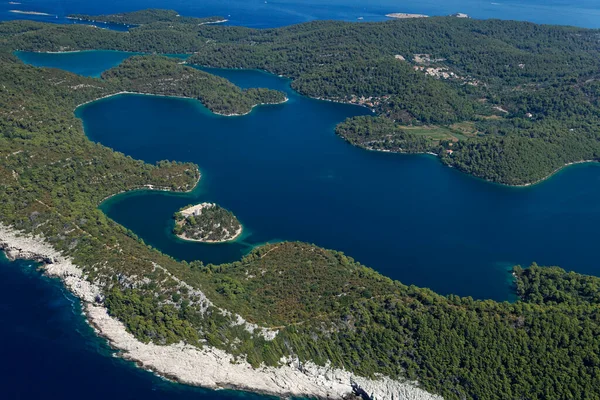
[(285, 174), (272, 13)]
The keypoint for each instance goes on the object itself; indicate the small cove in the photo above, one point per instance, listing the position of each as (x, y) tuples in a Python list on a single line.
[(285, 174)]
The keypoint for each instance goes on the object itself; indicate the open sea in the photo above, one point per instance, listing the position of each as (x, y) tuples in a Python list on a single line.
[(286, 175), (272, 13)]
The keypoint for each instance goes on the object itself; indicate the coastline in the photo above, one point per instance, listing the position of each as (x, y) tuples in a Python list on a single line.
[(238, 233), (177, 97), (198, 209), (557, 170), (251, 109), (221, 21), (405, 15), (363, 147), (156, 188), (400, 152), (338, 101), (524, 185), (100, 22), (207, 367)]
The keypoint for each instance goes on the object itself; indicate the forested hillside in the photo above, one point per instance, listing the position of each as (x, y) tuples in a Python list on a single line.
[(166, 76)]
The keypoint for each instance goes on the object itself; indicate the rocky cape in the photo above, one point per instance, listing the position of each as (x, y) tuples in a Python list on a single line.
[(207, 366)]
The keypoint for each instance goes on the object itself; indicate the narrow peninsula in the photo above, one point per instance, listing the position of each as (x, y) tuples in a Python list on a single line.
[(207, 223)]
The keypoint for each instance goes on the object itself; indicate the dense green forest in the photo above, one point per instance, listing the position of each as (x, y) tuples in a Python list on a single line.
[(328, 307), (375, 133), (166, 76), (212, 223), (324, 305)]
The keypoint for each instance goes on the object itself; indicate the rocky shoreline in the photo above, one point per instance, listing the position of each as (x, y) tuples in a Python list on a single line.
[(173, 96), (207, 367)]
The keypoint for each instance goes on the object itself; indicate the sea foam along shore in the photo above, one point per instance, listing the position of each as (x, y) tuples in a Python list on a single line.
[(207, 367)]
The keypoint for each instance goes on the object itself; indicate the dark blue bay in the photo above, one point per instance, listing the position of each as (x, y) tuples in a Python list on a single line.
[(286, 175)]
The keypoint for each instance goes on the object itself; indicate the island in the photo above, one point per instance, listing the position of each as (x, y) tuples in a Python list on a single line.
[(293, 319), (406, 16), (207, 223), (30, 12), (141, 17)]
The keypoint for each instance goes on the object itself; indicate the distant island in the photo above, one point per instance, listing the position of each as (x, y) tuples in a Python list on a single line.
[(406, 15), (30, 12), (145, 17), (411, 16), (207, 223)]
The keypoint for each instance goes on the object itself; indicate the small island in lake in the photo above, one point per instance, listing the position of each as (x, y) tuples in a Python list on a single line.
[(207, 223)]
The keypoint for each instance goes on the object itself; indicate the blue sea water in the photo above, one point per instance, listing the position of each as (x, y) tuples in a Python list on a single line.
[(49, 352), (407, 216), (272, 13)]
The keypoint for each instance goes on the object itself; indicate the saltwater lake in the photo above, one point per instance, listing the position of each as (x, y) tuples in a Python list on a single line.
[(285, 174)]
